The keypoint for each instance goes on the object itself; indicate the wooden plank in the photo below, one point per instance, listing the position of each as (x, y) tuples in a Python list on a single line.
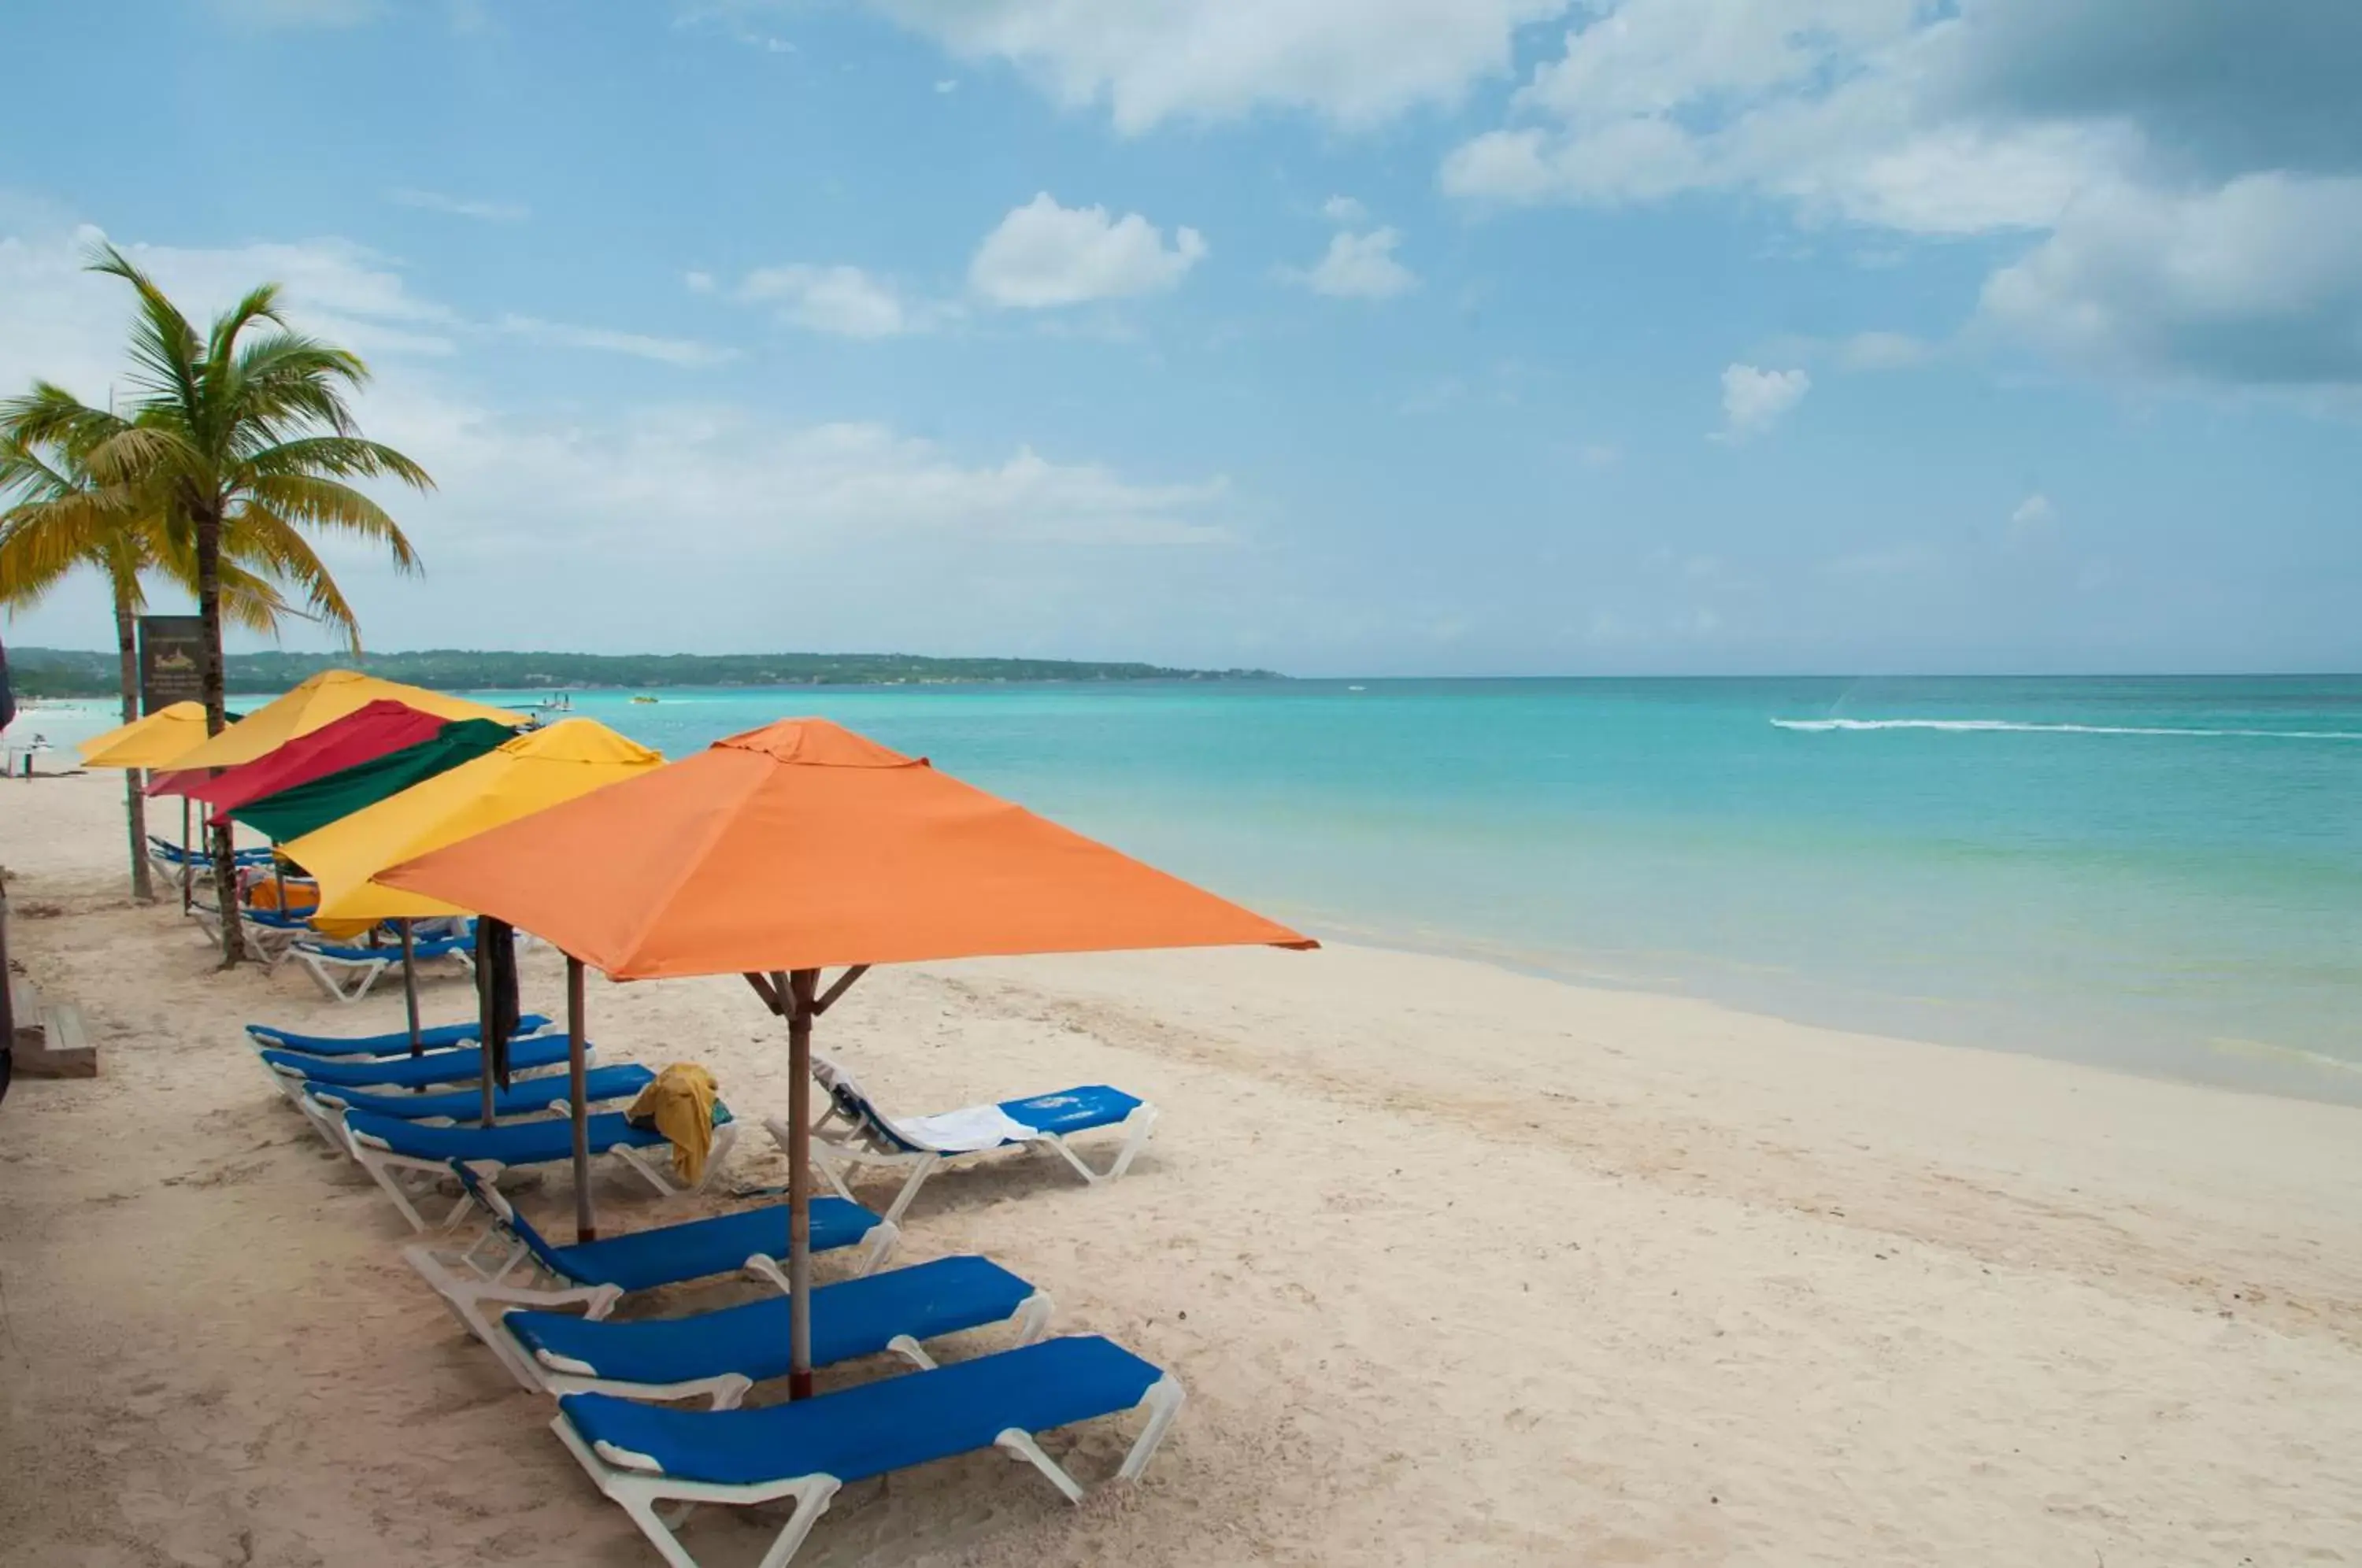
[(64, 1049)]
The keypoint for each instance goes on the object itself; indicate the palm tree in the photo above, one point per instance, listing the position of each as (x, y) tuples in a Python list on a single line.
[(242, 439), (60, 522)]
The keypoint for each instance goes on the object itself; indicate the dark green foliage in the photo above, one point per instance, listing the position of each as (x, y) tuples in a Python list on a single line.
[(58, 672)]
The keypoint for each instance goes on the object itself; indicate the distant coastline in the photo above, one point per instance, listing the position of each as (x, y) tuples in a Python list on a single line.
[(71, 672)]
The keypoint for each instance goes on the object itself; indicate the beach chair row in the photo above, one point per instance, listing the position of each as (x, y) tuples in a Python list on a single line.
[(543, 1308)]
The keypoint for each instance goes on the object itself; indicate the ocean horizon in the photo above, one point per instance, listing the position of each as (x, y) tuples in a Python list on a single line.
[(2160, 874)]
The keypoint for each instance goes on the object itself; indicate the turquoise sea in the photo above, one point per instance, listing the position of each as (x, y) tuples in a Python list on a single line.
[(2162, 875)]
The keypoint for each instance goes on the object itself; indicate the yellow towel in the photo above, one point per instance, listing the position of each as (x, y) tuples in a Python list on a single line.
[(679, 1105)]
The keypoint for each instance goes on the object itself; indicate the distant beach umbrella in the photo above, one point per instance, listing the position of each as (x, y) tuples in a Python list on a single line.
[(291, 812), (321, 700), (367, 733), (151, 742), (795, 848), (529, 773)]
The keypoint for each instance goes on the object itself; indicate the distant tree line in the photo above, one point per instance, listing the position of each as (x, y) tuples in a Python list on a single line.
[(63, 672)]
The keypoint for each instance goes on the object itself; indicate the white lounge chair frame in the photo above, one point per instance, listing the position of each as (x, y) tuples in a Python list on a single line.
[(636, 1484), (361, 974), (502, 1273), (266, 945), (839, 1151), (387, 1168), (290, 1083)]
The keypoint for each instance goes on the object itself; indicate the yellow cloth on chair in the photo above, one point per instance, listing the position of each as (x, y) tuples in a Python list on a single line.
[(679, 1105)]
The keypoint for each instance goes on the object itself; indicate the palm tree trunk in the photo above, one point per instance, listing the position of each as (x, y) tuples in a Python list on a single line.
[(208, 530), (134, 801)]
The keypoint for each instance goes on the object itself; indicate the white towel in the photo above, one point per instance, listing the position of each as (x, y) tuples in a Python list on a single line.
[(964, 1132), (951, 1132)]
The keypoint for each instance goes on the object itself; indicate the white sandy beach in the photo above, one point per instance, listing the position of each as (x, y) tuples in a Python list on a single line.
[(1457, 1266)]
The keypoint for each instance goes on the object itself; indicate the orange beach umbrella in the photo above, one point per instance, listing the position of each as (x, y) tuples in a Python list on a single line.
[(800, 845)]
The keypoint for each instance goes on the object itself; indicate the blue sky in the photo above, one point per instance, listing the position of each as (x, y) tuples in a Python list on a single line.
[(1338, 336)]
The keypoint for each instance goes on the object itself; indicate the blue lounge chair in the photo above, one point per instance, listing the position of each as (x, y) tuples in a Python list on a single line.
[(511, 1264), (268, 934), (346, 972), (326, 1104), (644, 1456), (387, 1146), (289, 1072), (720, 1355), (397, 1043), (855, 1132)]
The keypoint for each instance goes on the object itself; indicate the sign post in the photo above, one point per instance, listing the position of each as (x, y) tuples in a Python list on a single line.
[(172, 661)]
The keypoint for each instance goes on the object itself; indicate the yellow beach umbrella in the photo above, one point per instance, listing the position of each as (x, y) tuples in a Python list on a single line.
[(326, 698), (535, 771), (151, 742)]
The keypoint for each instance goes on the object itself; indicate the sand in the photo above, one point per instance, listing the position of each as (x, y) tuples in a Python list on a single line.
[(1458, 1266)]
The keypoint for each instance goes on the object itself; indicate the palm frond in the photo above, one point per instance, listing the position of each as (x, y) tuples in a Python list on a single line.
[(341, 457), (326, 504), (272, 542), (163, 345)]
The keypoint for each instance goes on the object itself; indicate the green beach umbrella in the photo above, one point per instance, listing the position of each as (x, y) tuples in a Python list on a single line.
[(292, 813)]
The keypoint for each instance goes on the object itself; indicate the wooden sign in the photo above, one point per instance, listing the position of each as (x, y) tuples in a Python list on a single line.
[(172, 661)]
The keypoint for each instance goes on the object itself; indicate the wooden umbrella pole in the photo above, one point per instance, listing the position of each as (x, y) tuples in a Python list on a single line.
[(800, 986), (410, 984), (484, 1019), (586, 1223)]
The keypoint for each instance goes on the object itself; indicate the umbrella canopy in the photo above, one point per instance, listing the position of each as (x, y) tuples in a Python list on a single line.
[(151, 741), (530, 773), (308, 807), (325, 698), (801, 846), (367, 731)]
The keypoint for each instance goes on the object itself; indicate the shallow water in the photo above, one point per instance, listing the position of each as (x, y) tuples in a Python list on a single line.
[(2160, 874)]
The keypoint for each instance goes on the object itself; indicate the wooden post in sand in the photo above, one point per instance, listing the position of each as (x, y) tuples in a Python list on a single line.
[(586, 1223), (799, 998), (410, 984)]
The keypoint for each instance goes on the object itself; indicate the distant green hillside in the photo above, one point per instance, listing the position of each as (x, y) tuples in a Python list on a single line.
[(65, 672)]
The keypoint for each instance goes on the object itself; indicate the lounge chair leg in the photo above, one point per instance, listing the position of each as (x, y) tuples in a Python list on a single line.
[(467, 1299), (877, 1247), (921, 1167), (381, 1171), (1164, 1401), (831, 1170), (1137, 1128), (1020, 1445), (910, 1350), (1033, 1317)]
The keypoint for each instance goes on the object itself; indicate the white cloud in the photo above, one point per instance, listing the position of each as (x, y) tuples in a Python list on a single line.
[(639, 345), (2259, 283), (435, 201), (300, 12), (947, 84), (843, 301), (700, 282), (1343, 210), (1360, 267), (60, 320), (923, 544), (2032, 519), (1883, 351), (719, 482), (1355, 61), (1599, 454), (1755, 399), (1045, 255), (2190, 169)]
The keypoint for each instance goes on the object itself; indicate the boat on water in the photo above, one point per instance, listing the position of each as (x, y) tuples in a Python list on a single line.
[(643, 698)]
